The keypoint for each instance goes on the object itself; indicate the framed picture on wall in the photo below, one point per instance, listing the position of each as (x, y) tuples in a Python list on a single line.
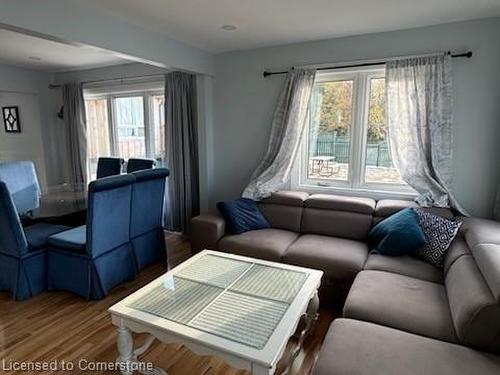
[(11, 119)]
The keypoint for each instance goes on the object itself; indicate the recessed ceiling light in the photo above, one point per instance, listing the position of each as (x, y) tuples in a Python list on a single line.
[(36, 58), (228, 27)]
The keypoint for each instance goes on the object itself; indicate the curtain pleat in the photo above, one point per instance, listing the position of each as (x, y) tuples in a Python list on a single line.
[(287, 129), (419, 115), (76, 133), (183, 201)]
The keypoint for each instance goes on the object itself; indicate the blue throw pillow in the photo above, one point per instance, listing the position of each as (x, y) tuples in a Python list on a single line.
[(242, 215), (399, 234)]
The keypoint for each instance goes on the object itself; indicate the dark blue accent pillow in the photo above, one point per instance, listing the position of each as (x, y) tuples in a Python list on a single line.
[(242, 215), (399, 234)]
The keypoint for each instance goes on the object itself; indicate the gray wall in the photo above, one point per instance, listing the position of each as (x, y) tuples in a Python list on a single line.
[(29, 91), (244, 101)]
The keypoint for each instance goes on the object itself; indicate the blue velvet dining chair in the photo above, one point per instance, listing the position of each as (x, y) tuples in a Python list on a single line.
[(92, 259), (23, 255), (136, 164), (109, 166), (146, 229), (22, 181)]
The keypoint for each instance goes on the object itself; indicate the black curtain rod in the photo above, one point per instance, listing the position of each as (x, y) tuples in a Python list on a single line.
[(360, 65)]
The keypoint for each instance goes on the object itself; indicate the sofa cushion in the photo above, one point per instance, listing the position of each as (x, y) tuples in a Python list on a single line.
[(457, 249), (287, 198), (487, 257), (344, 224), (479, 231), (269, 244), (401, 302), (474, 309), (387, 207), (399, 234), (282, 216), (37, 234), (74, 239), (341, 203), (242, 215), (338, 258), (353, 347), (405, 265)]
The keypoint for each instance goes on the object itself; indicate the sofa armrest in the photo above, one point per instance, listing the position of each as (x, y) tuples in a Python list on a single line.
[(206, 231)]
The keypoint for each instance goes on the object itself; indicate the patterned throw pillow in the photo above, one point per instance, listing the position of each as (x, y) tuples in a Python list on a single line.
[(439, 233)]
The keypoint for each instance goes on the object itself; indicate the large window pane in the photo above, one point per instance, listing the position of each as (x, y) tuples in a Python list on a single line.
[(379, 166), (130, 130), (98, 141), (330, 129), (159, 127)]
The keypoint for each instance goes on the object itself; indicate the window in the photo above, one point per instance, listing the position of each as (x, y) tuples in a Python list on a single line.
[(124, 124), (346, 146)]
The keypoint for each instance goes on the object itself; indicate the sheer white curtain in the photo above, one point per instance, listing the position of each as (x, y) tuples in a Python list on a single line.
[(419, 115), (286, 132)]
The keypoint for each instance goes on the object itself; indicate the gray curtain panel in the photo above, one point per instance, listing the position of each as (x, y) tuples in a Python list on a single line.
[(76, 132), (287, 129), (496, 208), (183, 201), (419, 114)]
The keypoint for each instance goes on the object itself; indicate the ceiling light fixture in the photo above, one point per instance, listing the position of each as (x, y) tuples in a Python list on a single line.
[(228, 27)]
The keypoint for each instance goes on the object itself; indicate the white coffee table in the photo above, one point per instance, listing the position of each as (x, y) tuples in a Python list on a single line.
[(242, 310)]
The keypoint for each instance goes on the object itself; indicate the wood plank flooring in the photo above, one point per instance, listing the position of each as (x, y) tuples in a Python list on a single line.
[(61, 326)]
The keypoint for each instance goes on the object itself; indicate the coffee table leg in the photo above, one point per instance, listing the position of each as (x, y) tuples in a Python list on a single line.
[(128, 355), (125, 344), (309, 318), (312, 312)]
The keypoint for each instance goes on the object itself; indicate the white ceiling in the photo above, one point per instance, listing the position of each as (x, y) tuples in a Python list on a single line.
[(45, 55), (273, 22)]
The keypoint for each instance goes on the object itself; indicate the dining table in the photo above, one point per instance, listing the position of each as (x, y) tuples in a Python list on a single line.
[(60, 205)]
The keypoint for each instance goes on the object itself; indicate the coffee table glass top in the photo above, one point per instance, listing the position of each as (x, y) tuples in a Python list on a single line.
[(238, 300)]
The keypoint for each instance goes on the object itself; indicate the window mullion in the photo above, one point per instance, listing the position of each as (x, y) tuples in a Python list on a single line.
[(112, 126), (148, 131), (364, 128), (357, 130)]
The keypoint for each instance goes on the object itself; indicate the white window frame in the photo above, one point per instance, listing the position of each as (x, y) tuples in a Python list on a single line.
[(355, 184), (149, 131)]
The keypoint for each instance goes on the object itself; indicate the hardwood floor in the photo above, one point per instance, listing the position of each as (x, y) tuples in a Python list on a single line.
[(57, 326)]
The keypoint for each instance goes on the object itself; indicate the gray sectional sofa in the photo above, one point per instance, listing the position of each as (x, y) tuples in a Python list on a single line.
[(401, 315)]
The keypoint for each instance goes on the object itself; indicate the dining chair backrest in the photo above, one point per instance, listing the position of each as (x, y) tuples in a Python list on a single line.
[(109, 166), (22, 182), (146, 229), (108, 215), (12, 238), (147, 200), (136, 164)]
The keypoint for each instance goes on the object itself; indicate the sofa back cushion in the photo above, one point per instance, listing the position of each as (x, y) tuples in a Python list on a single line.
[(339, 216), (283, 209), (282, 217), (474, 309), (457, 249)]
